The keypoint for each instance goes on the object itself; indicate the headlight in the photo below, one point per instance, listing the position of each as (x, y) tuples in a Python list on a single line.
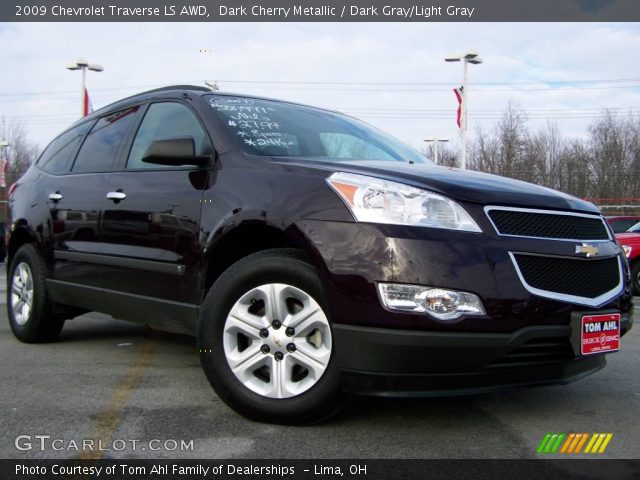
[(381, 201), (627, 250), (444, 304)]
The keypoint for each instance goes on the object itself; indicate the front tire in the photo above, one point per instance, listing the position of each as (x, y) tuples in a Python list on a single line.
[(28, 305), (265, 340)]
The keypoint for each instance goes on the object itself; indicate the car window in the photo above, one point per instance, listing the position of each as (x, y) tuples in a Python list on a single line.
[(341, 145), (164, 121), (635, 227), (618, 226), (272, 128), (58, 156), (99, 152)]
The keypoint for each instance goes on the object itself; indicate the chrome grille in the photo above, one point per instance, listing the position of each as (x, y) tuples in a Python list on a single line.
[(583, 281)]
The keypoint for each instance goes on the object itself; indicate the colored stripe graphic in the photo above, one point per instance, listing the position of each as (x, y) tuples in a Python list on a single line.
[(577, 439), (567, 442), (605, 443), (594, 437), (581, 443), (599, 442), (543, 443), (552, 439), (550, 443), (556, 445), (572, 443)]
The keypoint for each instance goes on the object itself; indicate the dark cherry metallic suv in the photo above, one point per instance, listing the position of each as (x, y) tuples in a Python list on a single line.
[(312, 255)]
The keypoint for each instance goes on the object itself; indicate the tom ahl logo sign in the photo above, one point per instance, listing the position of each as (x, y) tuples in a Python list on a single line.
[(600, 333)]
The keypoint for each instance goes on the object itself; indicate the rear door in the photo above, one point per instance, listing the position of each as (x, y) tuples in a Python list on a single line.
[(151, 221), (60, 198), (73, 188)]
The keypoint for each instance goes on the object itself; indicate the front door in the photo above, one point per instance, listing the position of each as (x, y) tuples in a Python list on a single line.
[(151, 222)]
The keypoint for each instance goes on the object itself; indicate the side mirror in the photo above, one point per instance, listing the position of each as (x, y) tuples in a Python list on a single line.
[(173, 151)]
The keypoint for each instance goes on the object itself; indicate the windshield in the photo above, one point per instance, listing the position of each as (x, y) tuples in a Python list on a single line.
[(635, 228), (272, 128)]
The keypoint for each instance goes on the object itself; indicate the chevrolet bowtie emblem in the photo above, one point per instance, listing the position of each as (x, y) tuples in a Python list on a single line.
[(588, 250)]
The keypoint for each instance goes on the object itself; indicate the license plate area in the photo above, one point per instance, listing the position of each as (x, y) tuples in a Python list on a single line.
[(595, 333)]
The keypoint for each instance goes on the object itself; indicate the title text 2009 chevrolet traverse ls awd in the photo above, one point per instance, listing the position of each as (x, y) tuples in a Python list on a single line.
[(312, 255)]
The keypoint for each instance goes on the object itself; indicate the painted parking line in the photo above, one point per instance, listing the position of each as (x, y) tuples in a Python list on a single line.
[(110, 417)]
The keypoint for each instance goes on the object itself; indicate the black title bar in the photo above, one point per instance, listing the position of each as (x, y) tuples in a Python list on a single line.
[(129, 469), (320, 11)]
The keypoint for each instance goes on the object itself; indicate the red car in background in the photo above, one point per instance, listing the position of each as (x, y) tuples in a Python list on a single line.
[(622, 223), (630, 241)]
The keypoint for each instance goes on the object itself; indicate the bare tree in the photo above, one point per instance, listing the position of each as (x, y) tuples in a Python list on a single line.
[(447, 155), (506, 150), (21, 152), (20, 155), (604, 166), (485, 154), (606, 145)]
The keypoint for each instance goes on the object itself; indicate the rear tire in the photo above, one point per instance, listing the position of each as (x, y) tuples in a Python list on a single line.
[(295, 381), (28, 306)]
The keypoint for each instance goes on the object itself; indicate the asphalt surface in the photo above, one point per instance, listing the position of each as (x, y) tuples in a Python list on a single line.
[(123, 384)]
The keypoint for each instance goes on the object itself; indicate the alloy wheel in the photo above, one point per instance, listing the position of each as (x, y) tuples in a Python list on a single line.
[(22, 293)]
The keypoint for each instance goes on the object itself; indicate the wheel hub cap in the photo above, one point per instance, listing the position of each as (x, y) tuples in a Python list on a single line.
[(21, 293), (277, 340)]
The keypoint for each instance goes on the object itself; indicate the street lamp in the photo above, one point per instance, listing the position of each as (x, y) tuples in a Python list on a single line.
[(83, 65), (436, 141), (466, 58), (4, 163)]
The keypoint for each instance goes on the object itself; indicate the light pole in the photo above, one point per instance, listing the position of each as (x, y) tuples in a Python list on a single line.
[(436, 141), (4, 165), (83, 65), (466, 58)]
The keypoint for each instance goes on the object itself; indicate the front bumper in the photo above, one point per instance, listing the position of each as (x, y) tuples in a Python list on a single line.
[(524, 339), (386, 362), (353, 258)]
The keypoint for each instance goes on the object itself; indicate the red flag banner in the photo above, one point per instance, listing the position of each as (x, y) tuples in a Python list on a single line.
[(458, 93), (87, 108)]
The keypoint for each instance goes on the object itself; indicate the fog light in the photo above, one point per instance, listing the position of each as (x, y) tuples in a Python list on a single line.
[(441, 303)]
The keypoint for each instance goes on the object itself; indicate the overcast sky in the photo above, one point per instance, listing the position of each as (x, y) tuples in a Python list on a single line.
[(545, 69)]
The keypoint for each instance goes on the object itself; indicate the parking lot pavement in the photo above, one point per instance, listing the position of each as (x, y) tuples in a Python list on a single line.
[(125, 385)]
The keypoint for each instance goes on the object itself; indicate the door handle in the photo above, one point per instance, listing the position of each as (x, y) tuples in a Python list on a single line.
[(116, 196), (55, 197)]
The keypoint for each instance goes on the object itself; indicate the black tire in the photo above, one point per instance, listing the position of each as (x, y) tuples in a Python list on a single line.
[(41, 324), (286, 266), (635, 277)]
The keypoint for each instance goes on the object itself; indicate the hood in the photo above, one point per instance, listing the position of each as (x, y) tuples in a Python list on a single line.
[(461, 185)]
